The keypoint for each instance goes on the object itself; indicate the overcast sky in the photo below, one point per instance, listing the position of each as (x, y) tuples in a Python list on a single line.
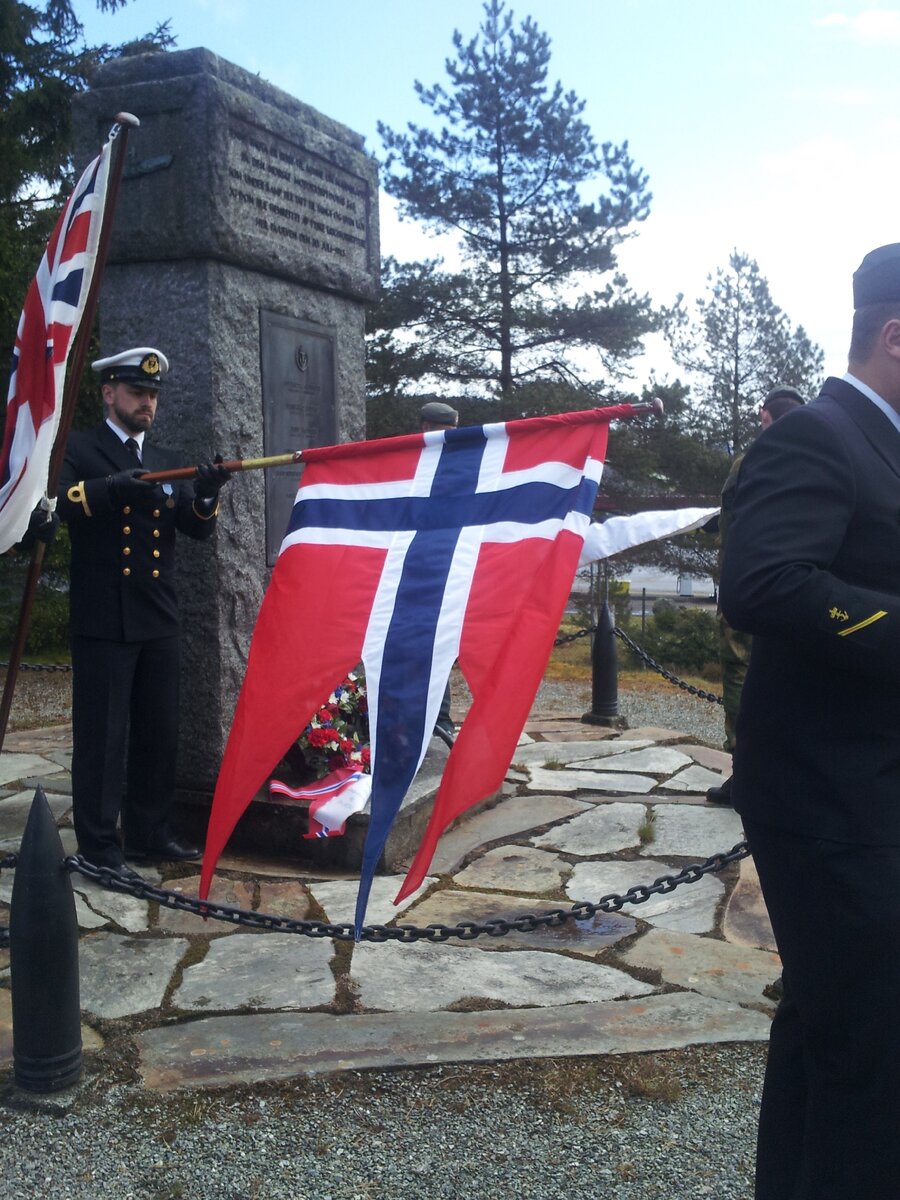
[(770, 126)]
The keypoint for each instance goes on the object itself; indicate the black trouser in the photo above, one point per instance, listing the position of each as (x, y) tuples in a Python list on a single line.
[(829, 1127), (444, 711), (125, 732)]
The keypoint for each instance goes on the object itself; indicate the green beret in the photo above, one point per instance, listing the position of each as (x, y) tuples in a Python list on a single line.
[(783, 393), (438, 414)]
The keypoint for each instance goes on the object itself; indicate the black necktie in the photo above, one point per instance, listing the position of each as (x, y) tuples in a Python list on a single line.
[(132, 447)]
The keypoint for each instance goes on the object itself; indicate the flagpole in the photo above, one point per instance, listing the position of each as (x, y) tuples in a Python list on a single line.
[(234, 465), (119, 132)]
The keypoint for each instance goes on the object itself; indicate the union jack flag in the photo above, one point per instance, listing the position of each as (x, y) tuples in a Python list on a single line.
[(408, 554), (50, 318)]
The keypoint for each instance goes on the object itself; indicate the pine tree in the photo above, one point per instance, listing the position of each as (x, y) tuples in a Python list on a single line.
[(739, 346), (507, 172)]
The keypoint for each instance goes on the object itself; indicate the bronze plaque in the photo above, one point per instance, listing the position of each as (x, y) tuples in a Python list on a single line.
[(299, 407)]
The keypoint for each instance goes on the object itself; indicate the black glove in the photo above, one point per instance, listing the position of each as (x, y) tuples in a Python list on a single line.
[(128, 487), (211, 476), (42, 527)]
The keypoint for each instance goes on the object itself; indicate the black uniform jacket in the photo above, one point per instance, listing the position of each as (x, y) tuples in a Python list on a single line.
[(123, 557), (812, 570)]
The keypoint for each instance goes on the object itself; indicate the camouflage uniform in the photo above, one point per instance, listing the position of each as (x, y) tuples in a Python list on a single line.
[(734, 646)]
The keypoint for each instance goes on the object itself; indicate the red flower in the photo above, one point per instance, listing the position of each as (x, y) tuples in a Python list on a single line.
[(338, 733)]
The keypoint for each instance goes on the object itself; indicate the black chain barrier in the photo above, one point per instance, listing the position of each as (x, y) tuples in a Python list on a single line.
[(39, 666), (651, 662), (8, 861), (566, 638), (466, 931), (406, 934)]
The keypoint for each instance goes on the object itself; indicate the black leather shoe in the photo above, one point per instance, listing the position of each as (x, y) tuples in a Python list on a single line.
[(125, 873), (775, 989), (445, 730), (118, 870), (168, 850), (720, 794)]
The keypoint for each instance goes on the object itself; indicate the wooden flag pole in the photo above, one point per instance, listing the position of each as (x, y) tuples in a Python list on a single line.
[(234, 465), (119, 133)]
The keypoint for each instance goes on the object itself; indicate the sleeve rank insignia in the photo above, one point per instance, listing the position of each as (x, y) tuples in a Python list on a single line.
[(876, 616)]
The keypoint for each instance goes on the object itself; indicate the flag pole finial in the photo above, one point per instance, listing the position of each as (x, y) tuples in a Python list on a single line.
[(123, 118)]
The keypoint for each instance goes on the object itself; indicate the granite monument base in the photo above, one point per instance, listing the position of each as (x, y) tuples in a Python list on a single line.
[(274, 827)]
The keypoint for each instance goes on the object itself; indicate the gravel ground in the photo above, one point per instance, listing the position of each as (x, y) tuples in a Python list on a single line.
[(41, 697), (627, 1127), (668, 707), (45, 698)]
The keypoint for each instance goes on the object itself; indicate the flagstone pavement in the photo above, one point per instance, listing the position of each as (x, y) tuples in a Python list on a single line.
[(585, 812)]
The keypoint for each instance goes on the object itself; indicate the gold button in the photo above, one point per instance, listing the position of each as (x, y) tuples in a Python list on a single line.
[(156, 574), (126, 529), (156, 554), (156, 512), (127, 509), (156, 533), (126, 571), (126, 549)]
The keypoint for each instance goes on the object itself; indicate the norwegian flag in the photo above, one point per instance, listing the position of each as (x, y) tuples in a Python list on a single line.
[(50, 318), (407, 554), (332, 800)]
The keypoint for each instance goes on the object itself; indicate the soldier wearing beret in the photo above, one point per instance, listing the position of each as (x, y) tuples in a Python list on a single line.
[(124, 616), (436, 415), (812, 570)]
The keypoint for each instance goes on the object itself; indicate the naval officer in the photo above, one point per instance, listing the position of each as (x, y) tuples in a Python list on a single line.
[(812, 571), (124, 625)]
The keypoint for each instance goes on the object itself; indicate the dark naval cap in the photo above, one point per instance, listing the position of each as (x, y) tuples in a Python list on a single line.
[(438, 414), (784, 393), (877, 279), (144, 367)]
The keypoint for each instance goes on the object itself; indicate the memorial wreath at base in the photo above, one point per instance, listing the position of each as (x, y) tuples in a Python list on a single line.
[(332, 755)]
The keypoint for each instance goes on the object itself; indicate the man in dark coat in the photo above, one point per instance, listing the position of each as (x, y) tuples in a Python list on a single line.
[(812, 571), (734, 644), (124, 616)]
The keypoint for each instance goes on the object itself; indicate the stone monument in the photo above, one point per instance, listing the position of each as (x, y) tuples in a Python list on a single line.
[(245, 246)]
